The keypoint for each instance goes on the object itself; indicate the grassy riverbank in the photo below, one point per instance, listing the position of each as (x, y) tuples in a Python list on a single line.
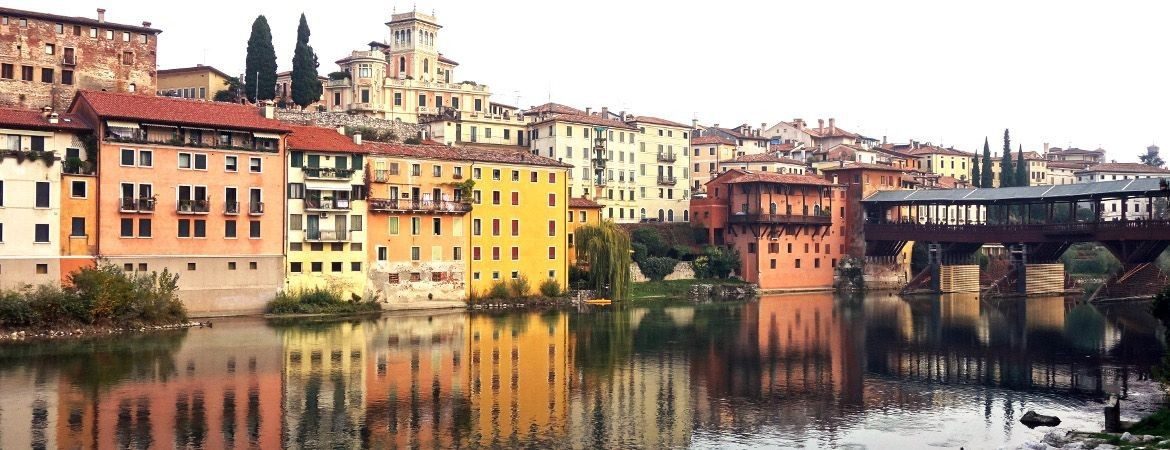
[(318, 301), (673, 289)]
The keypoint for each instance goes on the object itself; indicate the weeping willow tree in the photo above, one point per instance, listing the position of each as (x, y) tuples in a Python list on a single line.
[(606, 249)]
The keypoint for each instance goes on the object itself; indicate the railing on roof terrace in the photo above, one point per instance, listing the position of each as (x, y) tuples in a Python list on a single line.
[(430, 206), (327, 173), (140, 137), (325, 204)]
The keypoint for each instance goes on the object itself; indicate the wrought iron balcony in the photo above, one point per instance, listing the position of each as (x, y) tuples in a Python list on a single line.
[(781, 219), (327, 173), (194, 207), (666, 157), (441, 206), (231, 208), (255, 208), (666, 181), (317, 204), (326, 235), (136, 205)]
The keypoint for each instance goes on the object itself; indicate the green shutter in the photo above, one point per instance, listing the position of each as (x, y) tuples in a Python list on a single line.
[(357, 162), (314, 161), (393, 225), (297, 158), (341, 162)]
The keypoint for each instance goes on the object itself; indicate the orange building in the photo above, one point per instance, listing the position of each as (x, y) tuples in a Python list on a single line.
[(582, 212), (172, 176), (781, 224), (860, 180)]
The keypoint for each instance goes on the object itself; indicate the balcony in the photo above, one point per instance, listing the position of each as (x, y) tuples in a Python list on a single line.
[(327, 173), (326, 204), (666, 181), (666, 157), (780, 219), (326, 236), (231, 208), (439, 207), (136, 205), (194, 207)]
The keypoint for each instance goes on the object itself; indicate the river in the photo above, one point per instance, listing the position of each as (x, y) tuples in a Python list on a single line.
[(810, 371)]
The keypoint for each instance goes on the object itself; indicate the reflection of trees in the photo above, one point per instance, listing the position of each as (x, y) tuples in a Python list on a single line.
[(96, 364), (604, 339)]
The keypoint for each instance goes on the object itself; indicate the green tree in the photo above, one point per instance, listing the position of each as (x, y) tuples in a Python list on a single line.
[(1022, 175), (1007, 173), (260, 64), (231, 92), (1151, 158), (306, 87), (988, 179), (606, 249), (976, 177)]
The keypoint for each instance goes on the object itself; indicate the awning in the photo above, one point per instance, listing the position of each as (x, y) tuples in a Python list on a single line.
[(120, 124), (159, 125), (327, 186), (265, 135)]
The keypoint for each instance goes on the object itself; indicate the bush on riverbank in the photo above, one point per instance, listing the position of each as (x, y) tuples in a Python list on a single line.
[(101, 295), (672, 289), (317, 301)]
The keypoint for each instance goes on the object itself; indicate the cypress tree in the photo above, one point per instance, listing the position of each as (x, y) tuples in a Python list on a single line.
[(306, 87), (976, 178), (988, 179), (1022, 175), (260, 64), (1007, 172)]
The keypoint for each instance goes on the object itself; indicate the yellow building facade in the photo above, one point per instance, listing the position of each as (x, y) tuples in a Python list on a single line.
[(582, 212), (944, 161), (199, 82), (706, 153), (663, 177), (327, 211)]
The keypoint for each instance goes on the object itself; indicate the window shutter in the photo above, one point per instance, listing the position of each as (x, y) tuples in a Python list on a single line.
[(297, 158)]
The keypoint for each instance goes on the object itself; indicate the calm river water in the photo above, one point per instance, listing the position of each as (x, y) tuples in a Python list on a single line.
[(809, 371)]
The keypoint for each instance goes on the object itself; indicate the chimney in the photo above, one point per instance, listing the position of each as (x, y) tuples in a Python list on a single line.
[(53, 118), (101, 15), (357, 138), (820, 125), (46, 110), (832, 125), (588, 111), (341, 130), (883, 140), (268, 109), (1045, 148), (694, 123), (715, 125), (622, 115), (798, 123), (145, 24), (604, 111), (763, 125)]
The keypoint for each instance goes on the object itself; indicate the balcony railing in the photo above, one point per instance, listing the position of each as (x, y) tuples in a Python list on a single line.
[(327, 173), (453, 207), (815, 219), (666, 181), (194, 207), (326, 235), (326, 204), (231, 208), (255, 208), (666, 157), (139, 205)]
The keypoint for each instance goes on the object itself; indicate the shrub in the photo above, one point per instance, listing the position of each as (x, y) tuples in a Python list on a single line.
[(640, 251), (682, 253), (550, 288), (578, 275), (498, 290), (103, 294), (15, 311), (655, 245), (519, 287), (412, 141), (716, 262), (317, 301), (657, 268)]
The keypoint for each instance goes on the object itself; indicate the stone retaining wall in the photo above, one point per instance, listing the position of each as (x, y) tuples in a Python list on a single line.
[(336, 119)]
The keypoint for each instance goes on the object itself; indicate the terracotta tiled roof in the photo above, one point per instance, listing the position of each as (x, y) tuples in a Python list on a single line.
[(708, 139), (194, 69), (1124, 168), (848, 165), (553, 108), (764, 158), (1033, 156), (1066, 165), (29, 119), (739, 135), (828, 132), (583, 203), (461, 153), (889, 152), (444, 59), (785, 147), (74, 20), (176, 111), (322, 140), (658, 121), (773, 177), (1074, 150), (587, 120), (935, 150)]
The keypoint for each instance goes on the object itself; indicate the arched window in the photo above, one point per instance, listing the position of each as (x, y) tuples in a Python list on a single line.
[(661, 215), (643, 212), (670, 215), (402, 64), (686, 216), (408, 36), (426, 66)]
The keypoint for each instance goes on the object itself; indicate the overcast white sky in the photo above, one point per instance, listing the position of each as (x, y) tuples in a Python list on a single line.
[(1087, 74)]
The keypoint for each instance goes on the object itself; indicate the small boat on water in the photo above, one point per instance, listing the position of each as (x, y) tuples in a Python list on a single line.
[(599, 301)]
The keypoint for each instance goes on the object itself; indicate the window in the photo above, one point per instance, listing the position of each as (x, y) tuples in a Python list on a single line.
[(146, 158), (127, 228), (415, 253), (552, 199), (515, 253), (515, 227), (457, 253), (254, 164), (382, 253), (475, 227), (50, 48), (229, 229), (496, 174), (26, 73), (41, 233), (495, 197), (355, 266), (78, 188), (231, 163), (437, 170), (254, 229), (495, 227), (316, 266), (77, 227), (46, 75), (515, 198), (127, 58), (184, 228), (200, 228), (109, 34), (125, 36), (42, 269), (475, 253), (798, 263), (393, 226), (42, 194), (128, 157), (335, 266), (415, 225), (295, 267), (7, 71), (552, 253), (495, 253)]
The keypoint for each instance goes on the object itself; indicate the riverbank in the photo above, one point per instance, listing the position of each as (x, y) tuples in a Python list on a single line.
[(675, 289), (21, 335)]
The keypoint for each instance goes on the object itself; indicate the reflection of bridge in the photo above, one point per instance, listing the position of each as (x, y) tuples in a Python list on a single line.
[(1128, 217)]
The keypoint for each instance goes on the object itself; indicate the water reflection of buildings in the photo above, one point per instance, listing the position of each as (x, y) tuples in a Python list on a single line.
[(324, 384), (214, 389), (29, 398)]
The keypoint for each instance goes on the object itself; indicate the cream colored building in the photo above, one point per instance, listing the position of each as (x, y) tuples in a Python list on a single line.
[(405, 78), (795, 131), (601, 150), (663, 176), (500, 125), (706, 153), (1062, 172), (198, 82), (33, 145)]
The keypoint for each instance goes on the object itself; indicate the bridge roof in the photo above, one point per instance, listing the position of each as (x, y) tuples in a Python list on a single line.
[(1134, 187)]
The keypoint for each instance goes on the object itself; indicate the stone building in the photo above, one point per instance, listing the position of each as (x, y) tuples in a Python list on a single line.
[(46, 58)]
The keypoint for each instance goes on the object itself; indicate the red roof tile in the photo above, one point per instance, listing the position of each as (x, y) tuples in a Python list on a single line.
[(74, 20), (739, 135), (1124, 168), (934, 150), (847, 165), (773, 177), (444, 59), (764, 158), (29, 119), (706, 140), (583, 203), (828, 132), (176, 111), (553, 108), (658, 121), (1067, 165), (461, 153), (322, 140), (785, 147), (587, 120)]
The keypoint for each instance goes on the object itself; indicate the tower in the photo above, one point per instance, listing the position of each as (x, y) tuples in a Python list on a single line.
[(414, 46)]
